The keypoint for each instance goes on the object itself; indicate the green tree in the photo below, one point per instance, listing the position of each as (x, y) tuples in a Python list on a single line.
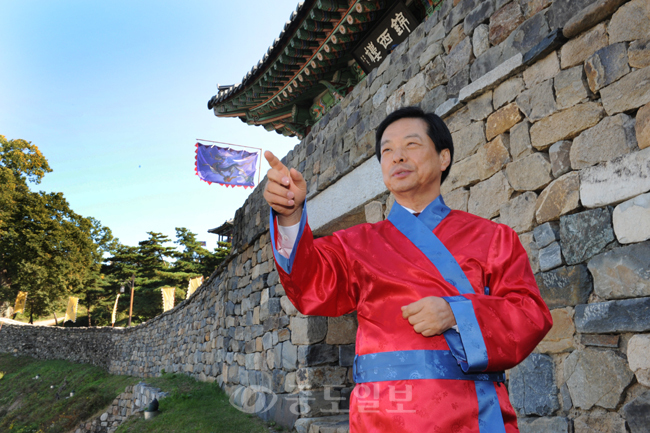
[(194, 260), (155, 266), (150, 263), (46, 249)]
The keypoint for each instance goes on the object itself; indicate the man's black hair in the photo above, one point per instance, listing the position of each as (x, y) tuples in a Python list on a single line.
[(436, 130)]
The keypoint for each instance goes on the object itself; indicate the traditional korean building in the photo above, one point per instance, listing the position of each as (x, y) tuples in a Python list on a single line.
[(324, 50)]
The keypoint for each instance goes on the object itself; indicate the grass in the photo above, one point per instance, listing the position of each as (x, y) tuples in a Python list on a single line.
[(29, 405), (193, 407)]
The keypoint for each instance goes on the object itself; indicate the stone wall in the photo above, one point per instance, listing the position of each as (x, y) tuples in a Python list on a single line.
[(547, 102), (84, 345)]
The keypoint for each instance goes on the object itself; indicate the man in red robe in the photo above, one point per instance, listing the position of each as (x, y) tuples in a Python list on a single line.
[(445, 300)]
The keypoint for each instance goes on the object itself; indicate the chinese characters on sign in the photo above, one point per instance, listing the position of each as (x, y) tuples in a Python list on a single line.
[(393, 29)]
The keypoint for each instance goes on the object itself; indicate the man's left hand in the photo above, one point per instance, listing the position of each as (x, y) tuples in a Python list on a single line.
[(429, 316)]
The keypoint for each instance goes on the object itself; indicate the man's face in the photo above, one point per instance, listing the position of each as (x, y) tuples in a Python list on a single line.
[(410, 164)]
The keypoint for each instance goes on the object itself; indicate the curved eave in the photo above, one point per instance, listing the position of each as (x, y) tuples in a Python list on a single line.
[(280, 78)]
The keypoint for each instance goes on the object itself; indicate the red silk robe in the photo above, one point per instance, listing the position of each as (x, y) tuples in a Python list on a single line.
[(374, 269)]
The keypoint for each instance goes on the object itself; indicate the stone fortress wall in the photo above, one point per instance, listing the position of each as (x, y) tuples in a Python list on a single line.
[(549, 106)]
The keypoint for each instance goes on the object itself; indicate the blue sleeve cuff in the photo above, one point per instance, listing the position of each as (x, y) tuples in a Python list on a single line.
[(287, 263), (467, 345)]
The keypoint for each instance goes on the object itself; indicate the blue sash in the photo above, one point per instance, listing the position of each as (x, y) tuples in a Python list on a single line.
[(468, 351), (415, 364)]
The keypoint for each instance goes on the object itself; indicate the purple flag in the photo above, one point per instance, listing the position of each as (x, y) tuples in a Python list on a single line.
[(225, 166)]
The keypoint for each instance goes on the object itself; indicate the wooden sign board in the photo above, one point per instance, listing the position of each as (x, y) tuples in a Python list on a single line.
[(389, 32)]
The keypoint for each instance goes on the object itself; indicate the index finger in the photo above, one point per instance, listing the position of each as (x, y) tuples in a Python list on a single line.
[(274, 162)]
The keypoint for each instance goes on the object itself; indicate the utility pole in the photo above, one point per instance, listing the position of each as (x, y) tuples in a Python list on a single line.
[(131, 307)]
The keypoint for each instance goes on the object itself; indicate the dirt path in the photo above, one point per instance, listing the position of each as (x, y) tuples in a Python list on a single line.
[(49, 322)]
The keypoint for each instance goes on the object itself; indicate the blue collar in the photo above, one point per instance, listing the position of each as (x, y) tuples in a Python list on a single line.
[(431, 216)]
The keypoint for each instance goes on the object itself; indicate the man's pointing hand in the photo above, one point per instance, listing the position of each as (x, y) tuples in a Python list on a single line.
[(285, 191)]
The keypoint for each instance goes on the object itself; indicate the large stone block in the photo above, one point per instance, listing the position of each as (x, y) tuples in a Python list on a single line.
[(486, 62), (565, 286), (316, 403), (612, 137), (480, 41), (609, 422), (492, 78), (631, 21), (531, 7), (565, 125), (520, 146), (480, 107), (615, 181), (457, 82), (530, 173), (317, 354), (374, 212), (538, 102), (433, 99), (631, 91), (632, 220), (519, 213), (590, 16), (638, 54), (570, 87), (459, 57), (598, 340), (457, 199), (642, 127), (453, 38), (502, 120), (622, 272), (637, 413), (596, 378), (468, 140), (528, 242), (433, 50), (560, 338), (560, 156), (489, 159), (308, 330), (547, 233), (638, 349), (289, 356), (459, 119), (459, 12), (606, 66), (288, 306), (435, 74), (532, 386), (318, 377), (544, 424), (550, 257), (525, 37), (562, 10), (585, 234), (560, 197), (627, 315), (478, 15), (579, 49), (507, 91), (341, 330), (542, 70), (487, 197), (504, 21)]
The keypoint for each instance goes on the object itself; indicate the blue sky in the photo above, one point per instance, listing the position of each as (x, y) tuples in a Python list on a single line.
[(115, 93)]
